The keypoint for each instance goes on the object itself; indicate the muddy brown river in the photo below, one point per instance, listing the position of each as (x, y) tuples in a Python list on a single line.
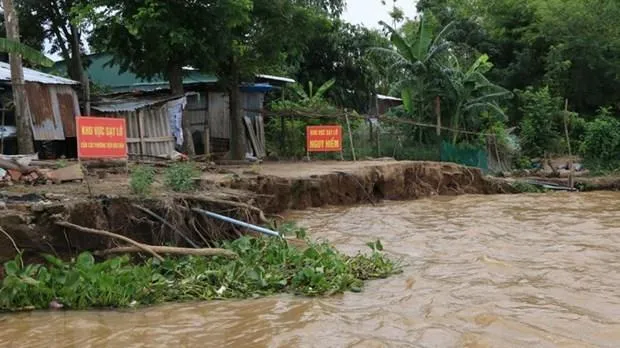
[(481, 271)]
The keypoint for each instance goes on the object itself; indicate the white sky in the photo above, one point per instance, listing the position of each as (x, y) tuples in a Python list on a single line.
[(370, 12)]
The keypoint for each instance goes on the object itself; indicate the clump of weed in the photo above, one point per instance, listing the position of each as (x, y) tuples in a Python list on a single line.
[(524, 187), (265, 266), (141, 180), (180, 177), (62, 163)]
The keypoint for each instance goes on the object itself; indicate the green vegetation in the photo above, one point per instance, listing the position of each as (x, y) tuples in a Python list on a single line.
[(524, 187), (601, 145), (500, 70), (141, 180), (181, 177), (265, 266)]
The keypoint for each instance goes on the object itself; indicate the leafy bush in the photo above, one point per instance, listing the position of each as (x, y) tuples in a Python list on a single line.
[(601, 144), (541, 123), (265, 266), (141, 180), (180, 177)]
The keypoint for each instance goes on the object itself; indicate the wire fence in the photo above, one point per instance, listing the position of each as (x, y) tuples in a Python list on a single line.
[(384, 136)]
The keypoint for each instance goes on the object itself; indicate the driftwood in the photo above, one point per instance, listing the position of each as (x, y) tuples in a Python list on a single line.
[(143, 247), (171, 250)]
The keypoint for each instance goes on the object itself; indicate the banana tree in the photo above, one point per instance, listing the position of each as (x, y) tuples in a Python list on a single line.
[(418, 61), (472, 93), (311, 96)]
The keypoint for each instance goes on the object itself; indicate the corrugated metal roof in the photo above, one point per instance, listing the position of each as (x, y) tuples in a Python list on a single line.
[(275, 78), (102, 72), (129, 103), (31, 75), (387, 97)]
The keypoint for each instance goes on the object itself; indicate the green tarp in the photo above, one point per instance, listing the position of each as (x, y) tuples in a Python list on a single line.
[(467, 155)]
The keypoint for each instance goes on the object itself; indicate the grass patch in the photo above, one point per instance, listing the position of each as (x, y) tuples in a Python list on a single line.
[(265, 266)]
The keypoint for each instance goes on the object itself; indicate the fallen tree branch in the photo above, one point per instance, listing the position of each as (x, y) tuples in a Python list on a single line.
[(11, 239), (160, 219), (12, 165), (170, 250), (143, 247)]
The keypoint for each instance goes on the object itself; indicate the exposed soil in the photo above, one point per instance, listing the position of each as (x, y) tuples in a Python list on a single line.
[(31, 212)]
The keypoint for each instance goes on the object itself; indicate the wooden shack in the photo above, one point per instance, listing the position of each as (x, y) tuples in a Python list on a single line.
[(153, 122), (52, 104)]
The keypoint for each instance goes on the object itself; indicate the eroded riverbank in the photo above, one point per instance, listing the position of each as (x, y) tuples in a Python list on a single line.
[(239, 192), (482, 271)]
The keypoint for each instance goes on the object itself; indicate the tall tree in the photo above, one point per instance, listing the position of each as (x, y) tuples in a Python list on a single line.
[(131, 30), (25, 142), (248, 46), (418, 61), (62, 27), (343, 51)]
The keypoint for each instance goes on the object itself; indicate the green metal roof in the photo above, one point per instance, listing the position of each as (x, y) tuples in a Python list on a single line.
[(110, 76)]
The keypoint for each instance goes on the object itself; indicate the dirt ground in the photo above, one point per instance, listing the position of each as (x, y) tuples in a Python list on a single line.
[(118, 184)]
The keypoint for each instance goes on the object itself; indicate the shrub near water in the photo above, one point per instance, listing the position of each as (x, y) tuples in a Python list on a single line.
[(265, 266)]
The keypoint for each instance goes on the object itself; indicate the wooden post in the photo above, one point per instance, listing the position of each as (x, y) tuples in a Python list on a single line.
[(2, 140), (570, 152), (438, 114), (25, 143), (141, 132), (206, 138), (282, 135), (346, 117), (378, 135)]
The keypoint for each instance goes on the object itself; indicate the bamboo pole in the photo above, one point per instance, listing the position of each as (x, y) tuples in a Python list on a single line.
[(346, 117), (570, 152), (170, 250)]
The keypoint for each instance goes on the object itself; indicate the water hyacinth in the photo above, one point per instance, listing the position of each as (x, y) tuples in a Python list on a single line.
[(265, 266)]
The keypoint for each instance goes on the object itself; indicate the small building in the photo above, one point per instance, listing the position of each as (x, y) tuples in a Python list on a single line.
[(151, 121), (384, 103), (207, 104), (52, 106)]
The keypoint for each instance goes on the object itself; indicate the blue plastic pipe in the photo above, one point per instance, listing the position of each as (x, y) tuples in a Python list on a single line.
[(238, 223)]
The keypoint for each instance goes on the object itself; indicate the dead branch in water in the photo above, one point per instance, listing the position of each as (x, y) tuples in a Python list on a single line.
[(163, 221), (143, 247), (170, 250)]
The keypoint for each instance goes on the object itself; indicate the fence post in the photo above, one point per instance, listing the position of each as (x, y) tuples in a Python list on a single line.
[(346, 117)]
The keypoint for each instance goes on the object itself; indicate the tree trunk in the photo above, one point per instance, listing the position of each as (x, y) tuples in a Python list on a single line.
[(25, 144), (78, 72), (237, 130), (175, 78)]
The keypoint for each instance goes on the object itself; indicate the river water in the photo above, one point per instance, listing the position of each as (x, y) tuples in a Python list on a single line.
[(480, 271)]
